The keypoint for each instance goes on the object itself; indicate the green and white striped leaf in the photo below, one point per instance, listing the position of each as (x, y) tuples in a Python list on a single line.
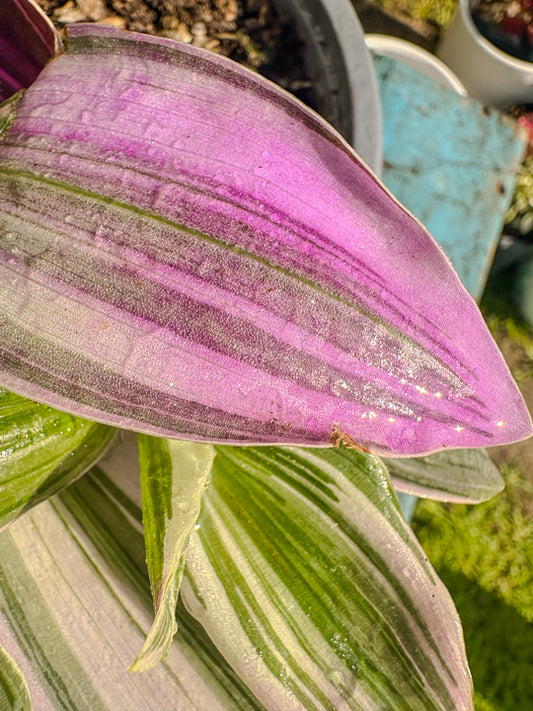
[(75, 605), (306, 577), (174, 475), (14, 693), (458, 475), (42, 450)]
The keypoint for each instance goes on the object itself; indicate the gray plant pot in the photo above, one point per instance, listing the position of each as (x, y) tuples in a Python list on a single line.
[(342, 71)]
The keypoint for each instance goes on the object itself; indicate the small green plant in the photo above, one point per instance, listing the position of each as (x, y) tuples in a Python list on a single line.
[(438, 12), (520, 214)]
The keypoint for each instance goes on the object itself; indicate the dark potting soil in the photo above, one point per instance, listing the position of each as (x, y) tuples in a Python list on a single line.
[(251, 32), (508, 25)]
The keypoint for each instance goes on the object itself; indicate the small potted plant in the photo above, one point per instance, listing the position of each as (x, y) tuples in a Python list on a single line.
[(489, 45)]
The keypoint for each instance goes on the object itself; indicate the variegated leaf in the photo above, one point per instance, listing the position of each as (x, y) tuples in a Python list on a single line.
[(306, 577), (174, 476), (42, 450), (186, 250), (75, 606), (14, 693), (458, 475)]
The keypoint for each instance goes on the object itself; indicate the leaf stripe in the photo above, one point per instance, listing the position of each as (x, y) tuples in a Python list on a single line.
[(247, 273), (296, 545), (42, 450), (57, 674), (303, 545), (358, 286), (255, 622), (358, 280), (165, 53), (96, 504), (362, 538), (161, 413), (282, 361), (14, 692), (84, 519)]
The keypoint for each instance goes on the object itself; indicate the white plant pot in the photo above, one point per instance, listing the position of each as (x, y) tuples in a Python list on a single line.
[(489, 74)]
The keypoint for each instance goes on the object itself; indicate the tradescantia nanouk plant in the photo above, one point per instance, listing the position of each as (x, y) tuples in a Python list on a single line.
[(188, 253)]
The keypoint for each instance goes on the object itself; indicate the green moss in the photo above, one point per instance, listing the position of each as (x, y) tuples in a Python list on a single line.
[(438, 12)]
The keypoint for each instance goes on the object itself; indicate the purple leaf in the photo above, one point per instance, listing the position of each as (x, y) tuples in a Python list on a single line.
[(28, 41), (187, 251)]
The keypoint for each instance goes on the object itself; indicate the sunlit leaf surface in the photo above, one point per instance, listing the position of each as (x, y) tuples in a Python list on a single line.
[(302, 572), (305, 575), (186, 250), (76, 606), (42, 450)]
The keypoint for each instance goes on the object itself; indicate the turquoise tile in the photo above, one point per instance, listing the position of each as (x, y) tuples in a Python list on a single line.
[(452, 162)]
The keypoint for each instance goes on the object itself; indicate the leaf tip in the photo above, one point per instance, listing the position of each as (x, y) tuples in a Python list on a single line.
[(158, 641)]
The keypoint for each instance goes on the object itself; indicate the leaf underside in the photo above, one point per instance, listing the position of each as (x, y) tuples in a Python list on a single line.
[(174, 476), (455, 475)]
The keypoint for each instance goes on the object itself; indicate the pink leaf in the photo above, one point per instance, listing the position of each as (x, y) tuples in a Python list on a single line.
[(188, 251)]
